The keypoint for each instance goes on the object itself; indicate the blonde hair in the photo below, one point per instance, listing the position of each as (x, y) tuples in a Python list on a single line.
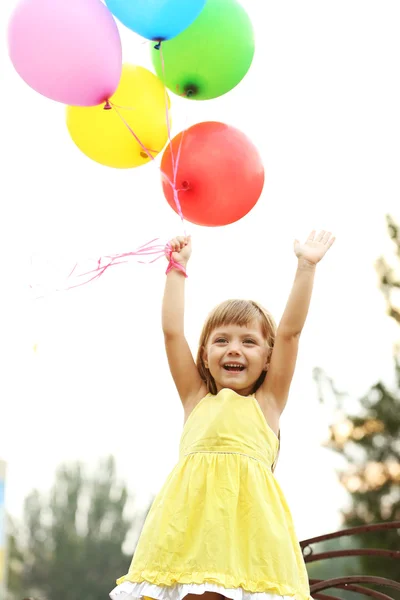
[(235, 312)]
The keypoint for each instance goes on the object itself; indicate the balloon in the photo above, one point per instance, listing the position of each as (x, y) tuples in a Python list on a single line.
[(211, 56), (140, 101), (219, 172), (156, 20), (69, 51)]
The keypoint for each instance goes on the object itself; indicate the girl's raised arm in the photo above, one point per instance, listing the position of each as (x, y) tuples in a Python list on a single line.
[(182, 366), (284, 355)]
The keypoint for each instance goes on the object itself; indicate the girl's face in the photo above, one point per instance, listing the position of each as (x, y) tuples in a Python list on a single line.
[(236, 356)]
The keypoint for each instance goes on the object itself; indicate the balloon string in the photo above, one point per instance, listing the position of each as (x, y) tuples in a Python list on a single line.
[(167, 108), (149, 249), (146, 150), (175, 164)]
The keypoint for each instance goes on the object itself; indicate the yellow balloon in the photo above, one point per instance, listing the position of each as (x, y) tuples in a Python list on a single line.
[(102, 134)]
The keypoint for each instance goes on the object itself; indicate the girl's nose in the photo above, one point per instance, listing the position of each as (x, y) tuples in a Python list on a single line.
[(234, 348)]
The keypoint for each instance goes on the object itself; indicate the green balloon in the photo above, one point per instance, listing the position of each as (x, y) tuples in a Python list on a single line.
[(211, 56)]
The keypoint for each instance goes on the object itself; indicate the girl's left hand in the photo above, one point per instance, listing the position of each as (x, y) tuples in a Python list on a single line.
[(315, 247)]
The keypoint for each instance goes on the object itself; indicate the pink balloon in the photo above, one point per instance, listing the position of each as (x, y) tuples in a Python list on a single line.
[(67, 50)]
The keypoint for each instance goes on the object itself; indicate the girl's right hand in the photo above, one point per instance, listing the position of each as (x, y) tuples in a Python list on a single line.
[(181, 249)]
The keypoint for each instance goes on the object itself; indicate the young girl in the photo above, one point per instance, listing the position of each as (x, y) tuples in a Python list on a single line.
[(220, 527)]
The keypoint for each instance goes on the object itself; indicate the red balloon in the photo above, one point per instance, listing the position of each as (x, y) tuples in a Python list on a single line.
[(220, 174)]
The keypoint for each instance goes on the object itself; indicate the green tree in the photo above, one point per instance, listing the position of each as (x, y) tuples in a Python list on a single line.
[(370, 441), (15, 560), (70, 544)]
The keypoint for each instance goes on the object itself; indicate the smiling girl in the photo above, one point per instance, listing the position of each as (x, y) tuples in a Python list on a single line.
[(220, 526)]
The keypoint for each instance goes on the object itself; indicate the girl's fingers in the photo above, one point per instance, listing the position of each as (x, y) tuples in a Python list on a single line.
[(327, 237), (175, 244), (179, 242)]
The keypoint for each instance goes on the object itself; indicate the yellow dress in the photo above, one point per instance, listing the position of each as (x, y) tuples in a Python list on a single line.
[(220, 522)]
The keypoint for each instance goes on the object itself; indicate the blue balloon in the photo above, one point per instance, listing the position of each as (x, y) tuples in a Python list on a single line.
[(156, 20)]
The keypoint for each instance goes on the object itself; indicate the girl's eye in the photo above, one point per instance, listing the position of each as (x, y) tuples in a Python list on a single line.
[(249, 341), (220, 340)]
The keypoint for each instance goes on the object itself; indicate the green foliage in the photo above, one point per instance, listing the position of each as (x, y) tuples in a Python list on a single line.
[(370, 442), (70, 544)]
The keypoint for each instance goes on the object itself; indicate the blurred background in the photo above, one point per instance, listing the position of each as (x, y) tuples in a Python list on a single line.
[(89, 417)]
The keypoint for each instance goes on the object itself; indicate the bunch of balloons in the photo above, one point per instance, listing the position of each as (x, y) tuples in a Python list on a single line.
[(119, 114)]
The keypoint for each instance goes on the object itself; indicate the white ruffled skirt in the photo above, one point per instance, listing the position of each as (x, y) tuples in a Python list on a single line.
[(136, 591)]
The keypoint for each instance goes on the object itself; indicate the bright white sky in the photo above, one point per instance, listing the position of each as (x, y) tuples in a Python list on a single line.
[(322, 104)]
